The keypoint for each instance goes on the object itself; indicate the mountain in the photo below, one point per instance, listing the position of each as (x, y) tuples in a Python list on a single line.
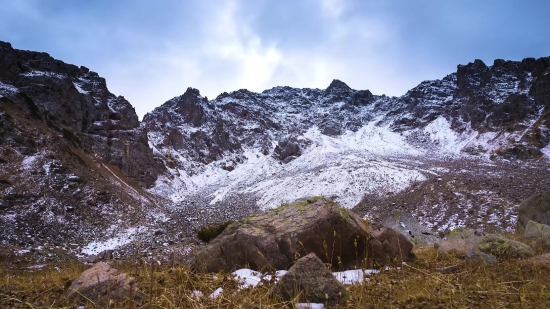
[(79, 170), (285, 142), (74, 160)]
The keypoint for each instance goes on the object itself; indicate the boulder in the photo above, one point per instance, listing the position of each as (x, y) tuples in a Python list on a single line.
[(537, 230), (463, 240), (535, 208), (394, 244), (310, 280), (536, 235), (277, 238), (104, 255), (460, 241), (477, 257), (504, 248), (101, 284)]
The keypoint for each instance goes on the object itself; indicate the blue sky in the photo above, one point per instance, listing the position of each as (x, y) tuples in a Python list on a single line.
[(151, 51)]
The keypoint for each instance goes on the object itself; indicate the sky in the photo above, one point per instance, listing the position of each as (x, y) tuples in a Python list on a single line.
[(151, 51)]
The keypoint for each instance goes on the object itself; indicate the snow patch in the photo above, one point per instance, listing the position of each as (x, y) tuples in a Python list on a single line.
[(28, 162), (7, 89), (123, 238), (77, 86)]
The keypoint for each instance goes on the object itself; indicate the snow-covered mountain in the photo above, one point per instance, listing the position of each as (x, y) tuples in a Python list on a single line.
[(285, 143), (80, 172)]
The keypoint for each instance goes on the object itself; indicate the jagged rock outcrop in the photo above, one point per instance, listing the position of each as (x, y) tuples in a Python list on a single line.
[(287, 150), (76, 101)]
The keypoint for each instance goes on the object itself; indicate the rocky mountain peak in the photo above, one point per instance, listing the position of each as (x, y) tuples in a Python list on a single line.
[(471, 74), (189, 106), (337, 86)]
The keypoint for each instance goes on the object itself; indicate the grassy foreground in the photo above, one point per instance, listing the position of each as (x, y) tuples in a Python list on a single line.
[(510, 284)]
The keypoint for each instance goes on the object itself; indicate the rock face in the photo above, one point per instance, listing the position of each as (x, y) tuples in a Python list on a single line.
[(76, 102), (279, 237), (535, 208), (312, 281), (71, 154), (287, 150), (101, 284)]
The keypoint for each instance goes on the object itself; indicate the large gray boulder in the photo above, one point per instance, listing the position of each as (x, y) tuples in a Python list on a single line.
[(101, 284), (474, 257), (274, 240), (311, 281), (535, 208)]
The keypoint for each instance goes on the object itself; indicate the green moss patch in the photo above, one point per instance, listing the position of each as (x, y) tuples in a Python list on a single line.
[(207, 233)]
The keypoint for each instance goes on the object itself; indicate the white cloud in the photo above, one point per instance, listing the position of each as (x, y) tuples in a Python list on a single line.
[(333, 8), (231, 39), (230, 54)]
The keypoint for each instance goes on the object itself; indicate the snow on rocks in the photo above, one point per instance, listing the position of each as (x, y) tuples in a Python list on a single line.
[(123, 238), (6, 89)]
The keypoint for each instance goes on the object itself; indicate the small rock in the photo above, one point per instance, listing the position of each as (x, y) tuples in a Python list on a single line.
[(475, 257), (312, 281), (537, 230), (102, 283), (447, 269)]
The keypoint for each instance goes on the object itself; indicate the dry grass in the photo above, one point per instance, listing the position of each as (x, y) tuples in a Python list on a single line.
[(511, 284)]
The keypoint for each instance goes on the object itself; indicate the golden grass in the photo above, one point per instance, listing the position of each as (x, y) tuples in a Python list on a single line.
[(510, 284)]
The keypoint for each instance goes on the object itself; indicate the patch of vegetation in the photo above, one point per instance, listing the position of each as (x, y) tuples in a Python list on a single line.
[(68, 134), (419, 284), (207, 233), (302, 206), (460, 232), (278, 209), (344, 214)]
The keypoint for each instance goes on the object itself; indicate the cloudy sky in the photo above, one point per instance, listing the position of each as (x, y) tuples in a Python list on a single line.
[(151, 51)]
